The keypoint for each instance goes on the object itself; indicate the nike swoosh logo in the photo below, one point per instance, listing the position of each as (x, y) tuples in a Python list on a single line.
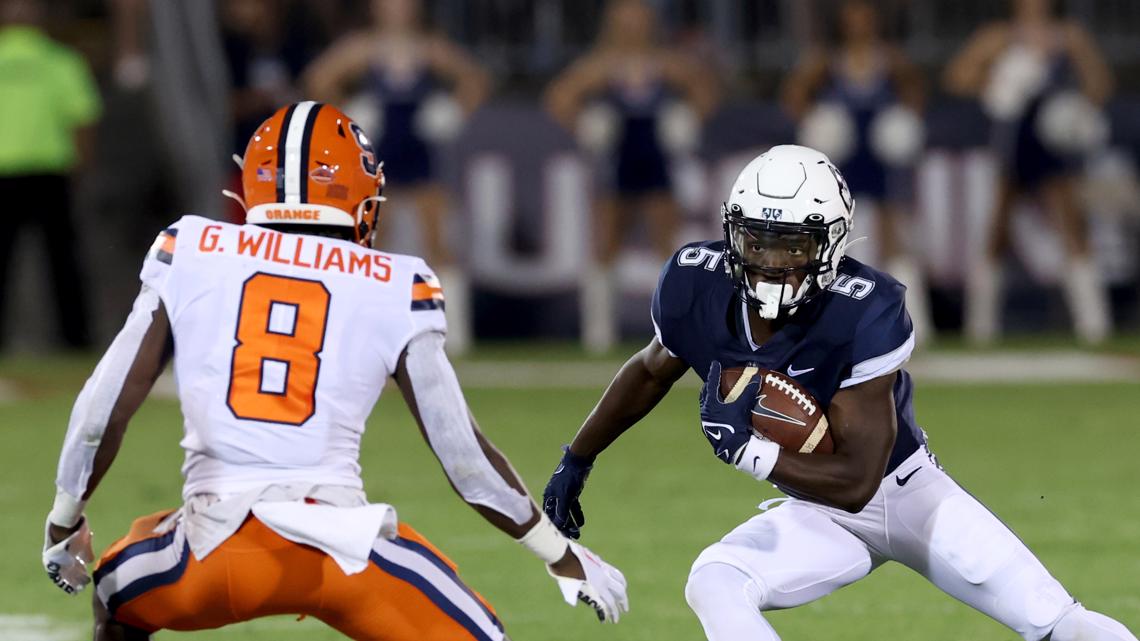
[(719, 426), (761, 410), (560, 468), (793, 372), (902, 480)]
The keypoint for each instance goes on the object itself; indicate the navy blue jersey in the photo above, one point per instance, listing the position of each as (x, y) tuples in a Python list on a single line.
[(408, 156), (856, 331), (865, 173), (640, 164)]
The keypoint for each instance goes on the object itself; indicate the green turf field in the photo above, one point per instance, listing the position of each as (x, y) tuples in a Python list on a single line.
[(1055, 462)]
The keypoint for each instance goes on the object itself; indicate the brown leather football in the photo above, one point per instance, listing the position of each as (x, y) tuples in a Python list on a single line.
[(785, 411)]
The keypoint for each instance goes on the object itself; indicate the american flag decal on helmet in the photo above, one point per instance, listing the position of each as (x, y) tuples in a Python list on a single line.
[(426, 293), (163, 248)]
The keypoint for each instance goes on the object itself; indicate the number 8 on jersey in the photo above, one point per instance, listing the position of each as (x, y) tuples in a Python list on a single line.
[(280, 334)]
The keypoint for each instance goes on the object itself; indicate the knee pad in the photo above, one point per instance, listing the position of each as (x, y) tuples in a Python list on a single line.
[(714, 584), (1032, 604)]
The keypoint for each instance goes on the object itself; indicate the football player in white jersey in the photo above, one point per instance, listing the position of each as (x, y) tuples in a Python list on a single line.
[(283, 332)]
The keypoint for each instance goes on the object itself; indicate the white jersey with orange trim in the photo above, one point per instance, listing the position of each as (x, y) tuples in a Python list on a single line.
[(283, 343)]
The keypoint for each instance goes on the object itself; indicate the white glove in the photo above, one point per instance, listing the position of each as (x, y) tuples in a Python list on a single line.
[(603, 589), (66, 561)]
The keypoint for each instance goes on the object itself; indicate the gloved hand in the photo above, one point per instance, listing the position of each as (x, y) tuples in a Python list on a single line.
[(560, 498), (66, 560), (603, 588), (727, 426)]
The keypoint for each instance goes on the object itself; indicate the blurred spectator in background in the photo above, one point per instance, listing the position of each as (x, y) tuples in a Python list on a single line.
[(48, 106), (632, 101), (859, 102), (399, 72), (268, 44), (1042, 81), (131, 68)]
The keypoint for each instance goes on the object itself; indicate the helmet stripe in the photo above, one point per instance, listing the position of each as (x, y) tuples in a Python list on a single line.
[(281, 153), (294, 129), (306, 139)]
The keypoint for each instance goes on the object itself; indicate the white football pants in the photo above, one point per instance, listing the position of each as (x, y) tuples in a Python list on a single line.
[(800, 551)]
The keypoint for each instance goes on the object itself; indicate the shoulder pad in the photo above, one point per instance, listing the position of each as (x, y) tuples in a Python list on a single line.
[(160, 257), (427, 292), (884, 335), (164, 245), (687, 273), (681, 278)]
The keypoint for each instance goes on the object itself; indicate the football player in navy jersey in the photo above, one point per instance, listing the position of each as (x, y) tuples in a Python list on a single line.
[(779, 293)]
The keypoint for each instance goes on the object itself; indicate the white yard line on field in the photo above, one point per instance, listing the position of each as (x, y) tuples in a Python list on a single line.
[(989, 367), (1025, 367), (38, 627), (992, 367)]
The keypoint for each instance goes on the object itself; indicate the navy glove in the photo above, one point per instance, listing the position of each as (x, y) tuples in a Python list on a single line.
[(727, 426), (560, 499)]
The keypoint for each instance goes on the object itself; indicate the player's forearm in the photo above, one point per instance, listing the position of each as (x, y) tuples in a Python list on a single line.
[(631, 395), (836, 480), (864, 426), (478, 472), (510, 477)]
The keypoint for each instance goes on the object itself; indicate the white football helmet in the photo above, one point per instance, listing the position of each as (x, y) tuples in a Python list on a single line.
[(787, 219)]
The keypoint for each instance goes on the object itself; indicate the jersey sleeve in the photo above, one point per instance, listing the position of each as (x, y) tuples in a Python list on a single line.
[(426, 302), (159, 261), (672, 300), (884, 336), (423, 303)]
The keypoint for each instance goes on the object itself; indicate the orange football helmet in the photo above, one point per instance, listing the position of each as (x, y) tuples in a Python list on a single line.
[(310, 164)]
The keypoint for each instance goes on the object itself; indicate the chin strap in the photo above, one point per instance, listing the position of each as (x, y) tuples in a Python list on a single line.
[(240, 162), (231, 195)]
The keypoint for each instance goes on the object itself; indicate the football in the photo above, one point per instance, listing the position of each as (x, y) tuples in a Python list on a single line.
[(785, 412)]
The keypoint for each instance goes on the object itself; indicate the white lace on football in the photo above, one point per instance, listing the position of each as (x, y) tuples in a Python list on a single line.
[(787, 387)]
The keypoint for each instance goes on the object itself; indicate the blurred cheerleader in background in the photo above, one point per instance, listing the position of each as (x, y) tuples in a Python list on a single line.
[(634, 104), (860, 103), (410, 90), (1042, 81)]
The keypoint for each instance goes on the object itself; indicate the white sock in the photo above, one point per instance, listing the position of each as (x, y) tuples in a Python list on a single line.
[(727, 601), (596, 305), (1088, 301), (906, 271), (983, 301), (1080, 624), (457, 309)]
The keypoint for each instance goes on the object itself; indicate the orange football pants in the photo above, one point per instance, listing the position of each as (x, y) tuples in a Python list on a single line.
[(409, 592)]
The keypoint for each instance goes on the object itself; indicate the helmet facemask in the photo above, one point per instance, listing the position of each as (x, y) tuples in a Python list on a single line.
[(778, 266), (367, 218)]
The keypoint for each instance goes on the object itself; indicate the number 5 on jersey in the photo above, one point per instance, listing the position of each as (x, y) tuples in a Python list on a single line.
[(280, 332)]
